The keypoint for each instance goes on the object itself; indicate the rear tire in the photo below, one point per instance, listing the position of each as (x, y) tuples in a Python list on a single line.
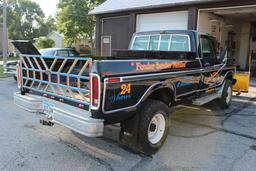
[(15, 78), (22, 92), (153, 126), (226, 97)]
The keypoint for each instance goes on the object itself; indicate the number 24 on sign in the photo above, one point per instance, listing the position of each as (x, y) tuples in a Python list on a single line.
[(126, 89)]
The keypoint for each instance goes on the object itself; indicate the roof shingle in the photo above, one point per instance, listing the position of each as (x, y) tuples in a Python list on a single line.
[(112, 6)]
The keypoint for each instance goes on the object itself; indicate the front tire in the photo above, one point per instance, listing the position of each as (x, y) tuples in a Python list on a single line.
[(153, 126), (226, 97)]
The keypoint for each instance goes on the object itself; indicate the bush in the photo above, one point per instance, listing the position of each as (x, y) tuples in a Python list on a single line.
[(1, 71), (44, 42)]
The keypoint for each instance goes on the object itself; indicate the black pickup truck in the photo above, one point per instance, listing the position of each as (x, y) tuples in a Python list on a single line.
[(136, 88)]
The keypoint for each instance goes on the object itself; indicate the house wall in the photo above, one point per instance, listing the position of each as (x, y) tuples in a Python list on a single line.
[(59, 41), (119, 28), (1, 35)]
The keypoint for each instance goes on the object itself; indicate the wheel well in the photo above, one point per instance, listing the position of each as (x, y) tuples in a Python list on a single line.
[(164, 94), (231, 78)]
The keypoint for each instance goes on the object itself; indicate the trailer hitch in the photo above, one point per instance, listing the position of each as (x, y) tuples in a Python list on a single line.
[(46, 122)]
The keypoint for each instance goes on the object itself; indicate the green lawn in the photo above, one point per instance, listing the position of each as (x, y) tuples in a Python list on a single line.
[(1, 71)]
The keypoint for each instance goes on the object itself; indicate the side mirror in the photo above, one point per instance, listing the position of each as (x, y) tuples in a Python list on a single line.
[(225, 59), (223, 56)]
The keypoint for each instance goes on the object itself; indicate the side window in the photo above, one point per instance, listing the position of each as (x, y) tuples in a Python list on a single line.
[(62, 53), (47, 52), (154, 42), (140, 43), (207, 48), (72, 53)]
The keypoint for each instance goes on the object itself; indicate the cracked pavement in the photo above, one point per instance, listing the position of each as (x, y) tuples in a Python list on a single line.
[(204, 138)]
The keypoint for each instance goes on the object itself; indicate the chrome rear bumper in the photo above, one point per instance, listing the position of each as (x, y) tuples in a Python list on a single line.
[(68, 116)]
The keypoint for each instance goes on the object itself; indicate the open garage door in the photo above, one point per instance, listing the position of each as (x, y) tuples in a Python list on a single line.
[(235, 29), (162, 21)]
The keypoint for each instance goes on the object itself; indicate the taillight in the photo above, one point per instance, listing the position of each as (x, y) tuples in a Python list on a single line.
[(95, 91), (114, 80)]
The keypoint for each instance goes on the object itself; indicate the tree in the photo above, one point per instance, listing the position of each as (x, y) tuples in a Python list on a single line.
[(44, 42), (74, 22), (26, 20), (47, 26)]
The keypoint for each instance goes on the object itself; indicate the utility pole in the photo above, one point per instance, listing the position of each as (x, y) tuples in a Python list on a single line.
[(5, 36)]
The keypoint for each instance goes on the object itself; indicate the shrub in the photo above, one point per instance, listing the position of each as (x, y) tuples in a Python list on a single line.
[(44, 42)]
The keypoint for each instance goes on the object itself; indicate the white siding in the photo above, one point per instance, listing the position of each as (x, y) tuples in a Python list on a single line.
[(59, 41), (162, 21)]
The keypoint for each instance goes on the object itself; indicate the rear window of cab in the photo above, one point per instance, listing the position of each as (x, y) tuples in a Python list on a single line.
[(162, 42)]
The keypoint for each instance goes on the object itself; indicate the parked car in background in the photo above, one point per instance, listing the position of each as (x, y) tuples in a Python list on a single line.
[(11, 68), (70, 52)]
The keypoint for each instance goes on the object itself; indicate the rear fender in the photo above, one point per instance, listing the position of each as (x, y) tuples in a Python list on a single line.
[(162, 92), (114, 102)]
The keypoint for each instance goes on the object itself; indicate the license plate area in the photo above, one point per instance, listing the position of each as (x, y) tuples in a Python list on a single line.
[(48, 107)]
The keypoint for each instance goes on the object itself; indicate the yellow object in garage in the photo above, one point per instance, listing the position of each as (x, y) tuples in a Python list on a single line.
[(243, 82), (243, 79)]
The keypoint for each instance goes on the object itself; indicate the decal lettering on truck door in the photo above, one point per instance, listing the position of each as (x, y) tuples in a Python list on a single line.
[(159, 66)]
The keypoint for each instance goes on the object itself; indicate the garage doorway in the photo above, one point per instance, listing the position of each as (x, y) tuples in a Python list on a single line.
[(235, 30)]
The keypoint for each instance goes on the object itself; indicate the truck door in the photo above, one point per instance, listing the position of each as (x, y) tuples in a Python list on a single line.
[(211, 65)]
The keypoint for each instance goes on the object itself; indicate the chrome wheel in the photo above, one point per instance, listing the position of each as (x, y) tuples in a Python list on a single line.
[(229, 95), (156, 128)]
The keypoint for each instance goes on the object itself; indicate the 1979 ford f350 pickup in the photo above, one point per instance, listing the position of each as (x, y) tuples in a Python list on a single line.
[(135, 87)]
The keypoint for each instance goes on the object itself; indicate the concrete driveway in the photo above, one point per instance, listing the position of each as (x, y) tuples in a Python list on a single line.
[(200, 139)]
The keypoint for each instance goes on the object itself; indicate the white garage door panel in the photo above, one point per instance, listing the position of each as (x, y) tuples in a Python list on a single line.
[(162, 21)]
